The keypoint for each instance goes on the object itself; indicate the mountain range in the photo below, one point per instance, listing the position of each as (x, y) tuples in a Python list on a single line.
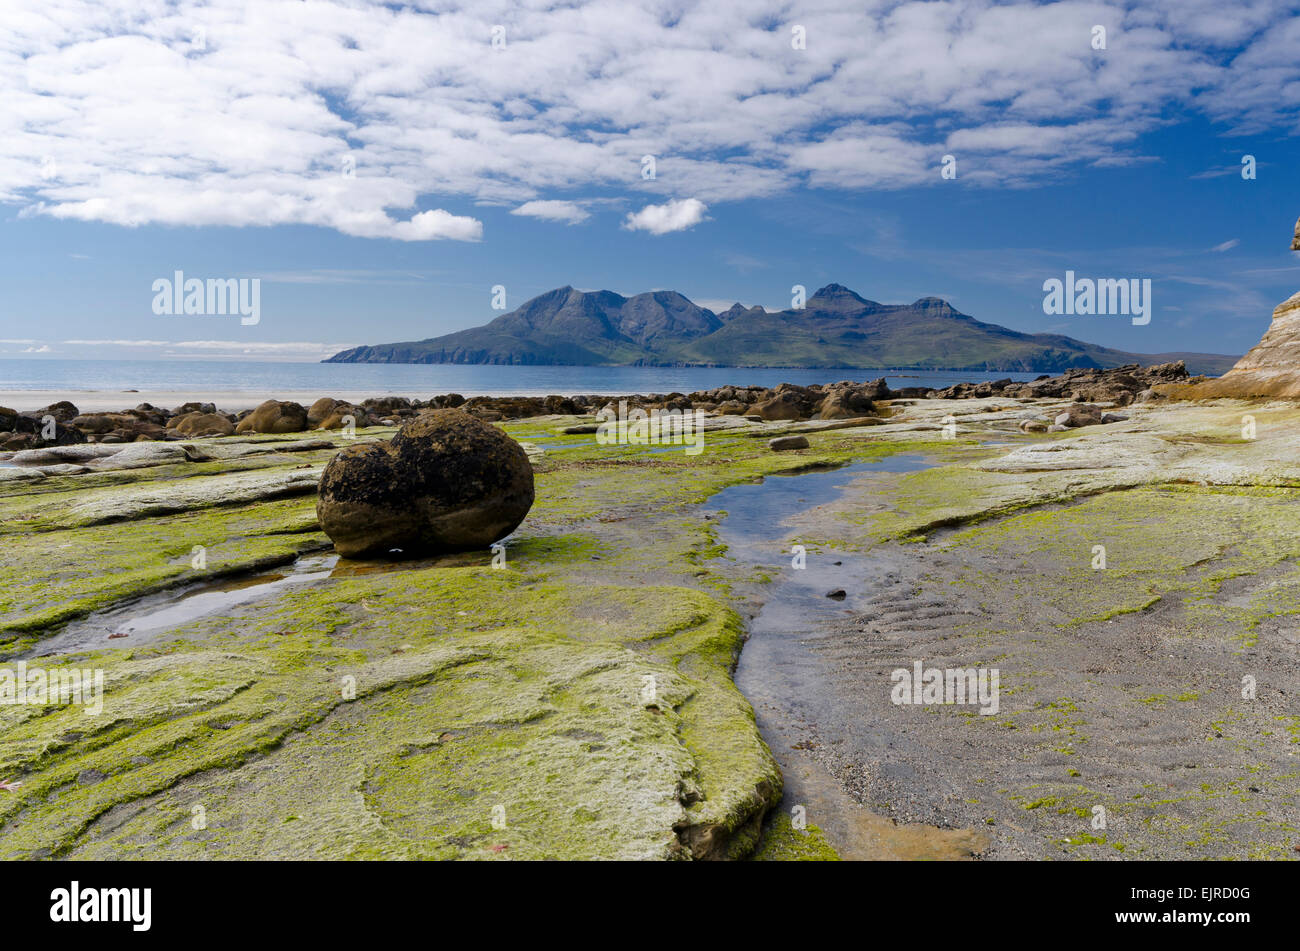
[(835, 328)]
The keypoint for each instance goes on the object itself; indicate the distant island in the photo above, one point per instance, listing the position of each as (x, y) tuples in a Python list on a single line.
[(836, 328)]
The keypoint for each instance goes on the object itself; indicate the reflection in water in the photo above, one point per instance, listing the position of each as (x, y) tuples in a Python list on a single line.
[(149, 617)]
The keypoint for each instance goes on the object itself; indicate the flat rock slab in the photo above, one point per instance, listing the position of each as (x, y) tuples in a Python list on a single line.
[(60, 454), (183, 495), (139, 455), (20, 475), (236, 449)]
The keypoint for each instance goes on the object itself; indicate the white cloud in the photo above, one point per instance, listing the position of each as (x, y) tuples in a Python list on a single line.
[(431, 225), (569, 211), (247, 347), (1227, 245), (300, 349), (676, 215), (355, 114), (116, 343)]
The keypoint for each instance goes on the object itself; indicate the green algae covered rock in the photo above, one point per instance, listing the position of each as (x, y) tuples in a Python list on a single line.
[(446, 482)]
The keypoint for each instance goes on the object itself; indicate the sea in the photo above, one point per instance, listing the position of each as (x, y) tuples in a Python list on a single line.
[(424, 380)]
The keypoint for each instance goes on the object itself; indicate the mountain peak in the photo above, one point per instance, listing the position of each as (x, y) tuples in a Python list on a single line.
[(837, 328), (936, 306), (837, 292), (740, 310)]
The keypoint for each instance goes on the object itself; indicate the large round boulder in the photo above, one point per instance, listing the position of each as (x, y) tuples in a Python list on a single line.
[(202, 424), (322, 409), (445, 482), (275, 416)]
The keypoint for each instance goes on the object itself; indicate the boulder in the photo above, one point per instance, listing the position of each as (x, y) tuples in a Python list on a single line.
[(186, 408), (1084, 414), (388, 406), (202, 424), (561, 406), (62, 411), (100, 423), (275, 416), (785, 406), (445, 482), (341, 414), (61, 435), (783, 443), (846, 402), (321, 410)]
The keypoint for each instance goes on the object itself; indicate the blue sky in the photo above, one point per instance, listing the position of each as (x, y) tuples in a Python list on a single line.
[(130, 153)]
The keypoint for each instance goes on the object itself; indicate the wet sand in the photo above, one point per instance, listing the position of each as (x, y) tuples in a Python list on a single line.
[(784, 679), (1123, 730)]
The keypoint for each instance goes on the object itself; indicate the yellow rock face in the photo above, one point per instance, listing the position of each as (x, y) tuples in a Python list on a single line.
[(1271, 370)]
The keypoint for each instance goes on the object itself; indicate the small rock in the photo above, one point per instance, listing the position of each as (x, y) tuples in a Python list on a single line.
[(783, 443), (839, 594)]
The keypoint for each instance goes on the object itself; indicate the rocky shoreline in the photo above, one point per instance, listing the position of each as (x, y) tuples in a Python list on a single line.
[(62, 423), (523, 686)]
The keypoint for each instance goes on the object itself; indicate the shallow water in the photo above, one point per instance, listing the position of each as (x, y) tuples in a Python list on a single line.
[(785, 680), (149, 618)]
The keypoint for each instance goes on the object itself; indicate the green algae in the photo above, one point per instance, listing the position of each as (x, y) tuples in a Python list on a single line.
[(527, 704), (782, 842), (558, 708), (49, 577), (1161, 543), (578, 703)]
